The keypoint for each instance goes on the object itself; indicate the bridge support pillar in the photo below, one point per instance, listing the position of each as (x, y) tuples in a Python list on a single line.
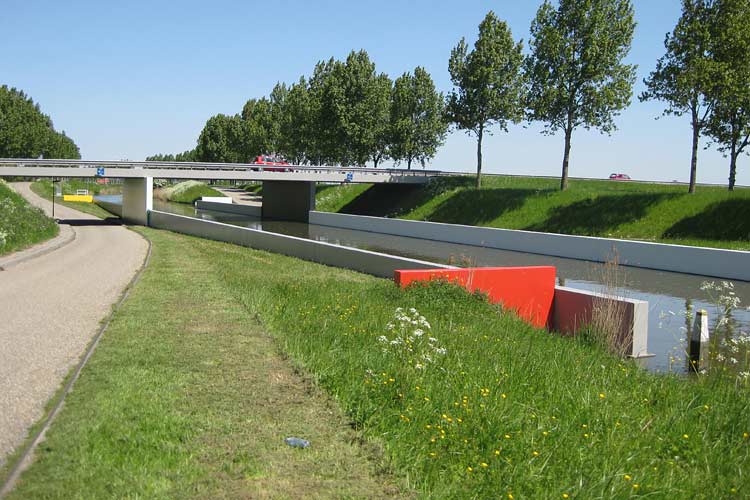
[(288, 200), (137, 200)]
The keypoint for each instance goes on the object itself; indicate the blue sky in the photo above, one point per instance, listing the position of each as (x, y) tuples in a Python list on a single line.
[(129, 79)]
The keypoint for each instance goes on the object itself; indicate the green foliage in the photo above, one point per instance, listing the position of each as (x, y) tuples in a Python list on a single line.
[(684, 75), (189, 155), (260, 128), (488, 81), (223, 140), (575, 71), (418, 125), (25, 132), (21, 225), (729, 122), (296, 124), (189, 192)]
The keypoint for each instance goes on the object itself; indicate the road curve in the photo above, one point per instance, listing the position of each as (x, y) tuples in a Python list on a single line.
[(50, 309)]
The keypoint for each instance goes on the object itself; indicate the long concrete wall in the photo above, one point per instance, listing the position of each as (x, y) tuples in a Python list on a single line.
[(571, 307), (230, 208), (365, 261), (728, 264)]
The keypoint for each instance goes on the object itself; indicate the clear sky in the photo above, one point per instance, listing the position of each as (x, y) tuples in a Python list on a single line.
[(130, 79)]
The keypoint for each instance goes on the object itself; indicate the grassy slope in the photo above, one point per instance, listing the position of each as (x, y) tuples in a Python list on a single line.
[(189, 191), (21, 225), (177, 400), (44, 189), (630, 210)]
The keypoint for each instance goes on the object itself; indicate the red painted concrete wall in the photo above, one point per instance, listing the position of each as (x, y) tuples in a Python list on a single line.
[(527, 290)]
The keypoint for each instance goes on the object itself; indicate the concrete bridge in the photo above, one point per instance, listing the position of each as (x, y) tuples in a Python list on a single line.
[(288, 190)]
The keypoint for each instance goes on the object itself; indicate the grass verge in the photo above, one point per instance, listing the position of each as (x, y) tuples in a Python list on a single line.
[(186, 396), (627, 210), (21, 225)]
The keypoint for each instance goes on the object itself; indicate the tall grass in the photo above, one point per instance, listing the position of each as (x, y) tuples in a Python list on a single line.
[(21, 225)]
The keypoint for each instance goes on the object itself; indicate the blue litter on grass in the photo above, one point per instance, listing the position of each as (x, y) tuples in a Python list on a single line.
[(296, 442)]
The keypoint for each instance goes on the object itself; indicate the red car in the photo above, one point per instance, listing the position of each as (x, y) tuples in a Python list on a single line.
[(274, 162), (619, 177)]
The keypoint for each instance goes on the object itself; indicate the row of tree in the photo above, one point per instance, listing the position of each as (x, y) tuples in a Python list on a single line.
[(574, 76), (345, 113), (26, 132)]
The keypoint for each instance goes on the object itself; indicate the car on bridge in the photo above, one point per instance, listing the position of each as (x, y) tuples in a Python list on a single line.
[(271, 164), (619, 177)]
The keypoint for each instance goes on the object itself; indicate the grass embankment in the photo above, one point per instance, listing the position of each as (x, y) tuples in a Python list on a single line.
[(185, 396), (21, 225), (187, 192), (628, 210), (45, 189)]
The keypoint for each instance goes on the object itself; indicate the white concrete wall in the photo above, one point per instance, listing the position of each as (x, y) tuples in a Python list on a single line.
[(728, 264), (365, 261), (217, 199), (248, 210), (137, 200)]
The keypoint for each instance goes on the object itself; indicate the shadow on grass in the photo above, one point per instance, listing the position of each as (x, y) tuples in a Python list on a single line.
[(109, 221), (392, 200), (727, 220), (598, 215), (472, 207)]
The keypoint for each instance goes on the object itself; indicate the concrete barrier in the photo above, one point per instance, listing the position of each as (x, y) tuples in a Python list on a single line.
[(365, 261), (217, 199), (113, 208), (248, 210), (727, 264)]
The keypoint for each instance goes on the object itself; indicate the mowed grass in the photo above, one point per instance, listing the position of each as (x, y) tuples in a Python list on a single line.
[(21, 224), (616, 209), (189, 192), (44, 189), (188, 396)]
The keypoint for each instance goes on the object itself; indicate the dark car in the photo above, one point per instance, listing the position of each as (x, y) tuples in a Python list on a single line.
[(619, 177)]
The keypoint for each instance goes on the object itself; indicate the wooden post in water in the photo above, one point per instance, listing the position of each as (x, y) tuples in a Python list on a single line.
[(698, 340)]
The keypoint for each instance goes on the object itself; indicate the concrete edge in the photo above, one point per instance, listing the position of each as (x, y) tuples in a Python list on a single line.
[(26, 457), (67, 235)]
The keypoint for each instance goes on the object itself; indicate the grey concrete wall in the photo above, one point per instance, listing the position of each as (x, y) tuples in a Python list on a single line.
[(230, 208), (113, 208), (374, 263), (573, 308), (728, 264), (290, 201), (137, 200)]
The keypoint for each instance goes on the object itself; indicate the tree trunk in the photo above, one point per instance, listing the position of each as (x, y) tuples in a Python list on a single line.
[(733, 164), (479, 156), (566, 160), (408, 163), (375, 161), (694, 156)]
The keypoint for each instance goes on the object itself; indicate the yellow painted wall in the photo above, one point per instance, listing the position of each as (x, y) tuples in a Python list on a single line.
[(87, 198)]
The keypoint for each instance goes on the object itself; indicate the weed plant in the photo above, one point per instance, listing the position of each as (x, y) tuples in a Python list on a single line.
[(21, 225)]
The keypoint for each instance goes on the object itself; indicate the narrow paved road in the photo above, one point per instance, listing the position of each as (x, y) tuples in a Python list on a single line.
[(51, 307)]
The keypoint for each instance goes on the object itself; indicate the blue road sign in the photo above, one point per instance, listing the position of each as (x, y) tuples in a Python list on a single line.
[(349, 177), (100, 171)]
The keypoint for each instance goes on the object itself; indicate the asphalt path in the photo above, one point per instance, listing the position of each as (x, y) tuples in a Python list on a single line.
[(51, 306)]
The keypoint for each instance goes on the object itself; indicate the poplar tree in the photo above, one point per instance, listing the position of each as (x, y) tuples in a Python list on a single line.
[(576, 73), (684, 75), (418, 124), (729, 122), (488, 83)]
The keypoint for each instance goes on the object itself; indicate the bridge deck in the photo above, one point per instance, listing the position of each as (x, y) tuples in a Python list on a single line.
[(200, 170)]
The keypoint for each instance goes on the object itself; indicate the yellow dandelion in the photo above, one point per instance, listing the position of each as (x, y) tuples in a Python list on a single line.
[(433, 454), (485, 464), (497, 452), (745, 435), (627, 477), (503, 396), (510, 496), (565, 495), (426, 398), (601, 395), (545, 433), (685, 436), (636, 486), (535, 453), (584, 426), (469, 469), (507, 436), (586, 435)]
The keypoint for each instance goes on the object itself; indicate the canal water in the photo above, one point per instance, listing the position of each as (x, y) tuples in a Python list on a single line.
[(667, 293)]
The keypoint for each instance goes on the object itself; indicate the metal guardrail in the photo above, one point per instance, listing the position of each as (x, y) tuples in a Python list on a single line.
[(204, 166)]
